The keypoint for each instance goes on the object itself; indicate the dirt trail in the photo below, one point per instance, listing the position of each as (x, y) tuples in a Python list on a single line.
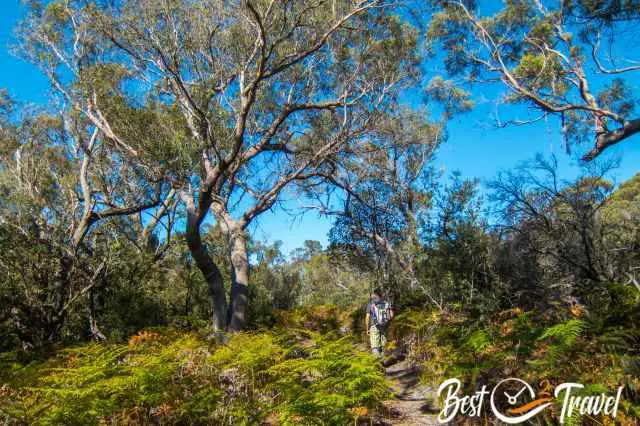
[(412, 402)]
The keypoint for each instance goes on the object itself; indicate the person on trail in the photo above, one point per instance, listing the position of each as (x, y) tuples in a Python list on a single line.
[(377, 319)]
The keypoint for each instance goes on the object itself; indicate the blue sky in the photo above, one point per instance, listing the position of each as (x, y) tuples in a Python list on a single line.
[(475, 147)]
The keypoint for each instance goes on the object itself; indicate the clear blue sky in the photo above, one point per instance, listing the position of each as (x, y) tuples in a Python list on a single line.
[(475, 147)]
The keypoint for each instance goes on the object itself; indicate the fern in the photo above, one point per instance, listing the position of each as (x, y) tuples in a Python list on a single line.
[(169, 377), (565, 333), (326, 385), (477, 341), (575, 419)]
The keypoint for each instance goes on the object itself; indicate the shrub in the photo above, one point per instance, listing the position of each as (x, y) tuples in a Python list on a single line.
[(168, 376)]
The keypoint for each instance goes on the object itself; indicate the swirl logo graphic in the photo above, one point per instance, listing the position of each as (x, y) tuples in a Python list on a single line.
[(519, 396)]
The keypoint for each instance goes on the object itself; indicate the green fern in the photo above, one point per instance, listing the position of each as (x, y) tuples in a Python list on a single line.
[(563, 337), (565, 333), (322, 386), (575, 419), (616, 340), (477, 341), (169, 377)]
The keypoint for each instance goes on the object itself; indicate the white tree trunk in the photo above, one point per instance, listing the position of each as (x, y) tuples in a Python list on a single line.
[(239, 280)]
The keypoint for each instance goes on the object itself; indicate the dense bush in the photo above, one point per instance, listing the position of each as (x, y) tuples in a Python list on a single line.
[(283, 376), (598, 348)]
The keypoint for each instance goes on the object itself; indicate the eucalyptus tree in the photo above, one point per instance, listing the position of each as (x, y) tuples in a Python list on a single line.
[(232, 100), (58, 183), (560, 228), (380, 195), (457, 255), (574, 60), (622, 213)]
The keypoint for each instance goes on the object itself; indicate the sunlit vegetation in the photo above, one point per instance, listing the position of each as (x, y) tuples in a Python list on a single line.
[(598, 349), (286, 375), (134, 288)]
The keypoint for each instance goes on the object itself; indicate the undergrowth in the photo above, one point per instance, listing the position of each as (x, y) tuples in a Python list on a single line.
[(598, 349), (281, 376), (306, 370)]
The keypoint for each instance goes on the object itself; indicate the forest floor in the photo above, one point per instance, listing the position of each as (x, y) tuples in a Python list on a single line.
[(411, 403)]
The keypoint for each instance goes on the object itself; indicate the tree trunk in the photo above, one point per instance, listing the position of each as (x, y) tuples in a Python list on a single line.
[(94, 330), (60, 289), (210, 271), (240, 280)]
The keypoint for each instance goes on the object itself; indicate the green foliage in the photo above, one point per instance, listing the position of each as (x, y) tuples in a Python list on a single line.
[(84, 384), (453, 99), (534, 51), (539, 71), (416, 322), (563, 337), (322, 318), (597, 349), (322, 387), (565, 333), (477, 341), (169, 376)]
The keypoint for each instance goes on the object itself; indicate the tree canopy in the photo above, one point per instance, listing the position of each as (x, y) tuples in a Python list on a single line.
[(572, 60), (221, 106)]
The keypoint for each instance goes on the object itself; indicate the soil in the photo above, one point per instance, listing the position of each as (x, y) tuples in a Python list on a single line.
[(410, 402)]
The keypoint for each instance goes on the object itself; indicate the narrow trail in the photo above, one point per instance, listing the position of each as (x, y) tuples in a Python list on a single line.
[(412, 402)]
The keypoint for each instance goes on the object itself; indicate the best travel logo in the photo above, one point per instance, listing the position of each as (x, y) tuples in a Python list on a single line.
[(514, 401)]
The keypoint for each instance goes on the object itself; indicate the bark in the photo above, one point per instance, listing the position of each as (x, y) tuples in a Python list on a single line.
[(240, 281), (94, 331), (209, 270), (165, 206), (85, 221), (61, 286), (606, 139)]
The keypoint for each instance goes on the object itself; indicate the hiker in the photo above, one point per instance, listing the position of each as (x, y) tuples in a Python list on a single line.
[(378, 316)]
